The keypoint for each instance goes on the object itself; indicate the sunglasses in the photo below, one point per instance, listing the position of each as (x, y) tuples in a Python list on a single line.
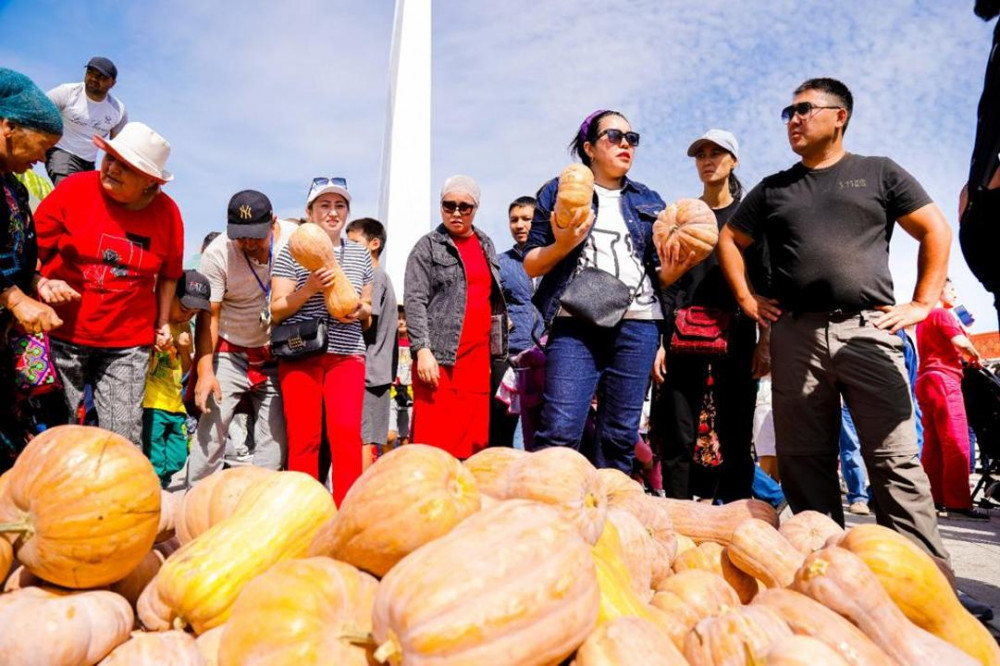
[(615, 136), (803, 109), (323, 181), (451, 206)]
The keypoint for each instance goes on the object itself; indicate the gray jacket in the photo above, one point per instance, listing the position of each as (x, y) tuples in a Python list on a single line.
[(434, 294)]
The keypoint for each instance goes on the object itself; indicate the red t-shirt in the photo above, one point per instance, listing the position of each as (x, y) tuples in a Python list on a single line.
[(934, 346), (112, 256)]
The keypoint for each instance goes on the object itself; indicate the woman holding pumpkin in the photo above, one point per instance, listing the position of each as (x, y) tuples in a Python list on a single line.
[(603, 248), (702, 416), (329, 385)]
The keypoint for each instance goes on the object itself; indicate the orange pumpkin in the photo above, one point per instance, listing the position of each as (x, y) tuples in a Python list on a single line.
[(132, 585), (655, 519), (565, 479), (576, 190), (310, 609), (214, 499), (691, 596), (618, 485), (761, 551), (714, 558), (81, 506), (412, 495), (168, 648), (311, 247), (638, 550), (803, 651), (691, 224), (512, 584), (708, 522), (489, 467), (628, 640), (6, 558), (810, 530), (618, 596), (45, 627), (735, 638)]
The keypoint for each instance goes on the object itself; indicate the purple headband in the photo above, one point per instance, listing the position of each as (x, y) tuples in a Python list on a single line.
[(586, 123)]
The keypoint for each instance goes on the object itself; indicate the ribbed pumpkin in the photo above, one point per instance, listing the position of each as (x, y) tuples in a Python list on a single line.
[(214, 498), (81, 506), (132, 585), (654, 517), (274, 521), (735, 638), (708, 522), (618, 485), (563, 478), (45, 627), (512, 584), (311, 247), (761, 551), (803, 651), (690, 223), (575, 191), (691, 596), (917, 586), (410, 496), (628, 640), (711, 557), (303, 612), (618, 595), (638, 550), (810, 618), (489, 467), (841, 581), (809, 530), (167, 648)]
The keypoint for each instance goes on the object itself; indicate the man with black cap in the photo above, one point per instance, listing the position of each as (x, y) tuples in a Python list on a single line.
[(88, 109), (232, 350)]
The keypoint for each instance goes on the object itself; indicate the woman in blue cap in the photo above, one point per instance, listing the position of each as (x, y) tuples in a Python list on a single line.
[(30, 124)]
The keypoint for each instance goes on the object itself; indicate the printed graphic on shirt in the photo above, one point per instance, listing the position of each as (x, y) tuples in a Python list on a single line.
[(118, 257), (611, 251)]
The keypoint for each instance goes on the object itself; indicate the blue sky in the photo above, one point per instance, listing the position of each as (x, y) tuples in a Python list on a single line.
[(262, 95)]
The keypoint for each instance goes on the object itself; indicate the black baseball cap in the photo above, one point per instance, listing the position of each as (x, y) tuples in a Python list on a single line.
[(250, 215), (194, 291), (104, 66)]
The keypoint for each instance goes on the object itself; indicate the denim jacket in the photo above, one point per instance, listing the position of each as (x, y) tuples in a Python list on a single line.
[(434, 294), (526, 322), (640, 206)]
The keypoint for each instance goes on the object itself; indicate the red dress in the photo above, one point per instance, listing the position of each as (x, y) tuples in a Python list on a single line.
[(456, 415)]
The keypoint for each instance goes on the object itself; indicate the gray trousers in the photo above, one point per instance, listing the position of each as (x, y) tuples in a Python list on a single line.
[(118, 375), (816, 358), (60, 163), (209, 445)]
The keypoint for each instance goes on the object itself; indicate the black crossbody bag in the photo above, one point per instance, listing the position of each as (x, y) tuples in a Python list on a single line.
[(596, 297)]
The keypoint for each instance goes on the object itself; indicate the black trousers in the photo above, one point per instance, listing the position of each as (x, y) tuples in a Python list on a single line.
[(979, 235), (502, 424), (675, 412)]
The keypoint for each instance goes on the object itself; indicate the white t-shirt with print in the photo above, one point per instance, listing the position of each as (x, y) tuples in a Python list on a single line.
[(83, 118)]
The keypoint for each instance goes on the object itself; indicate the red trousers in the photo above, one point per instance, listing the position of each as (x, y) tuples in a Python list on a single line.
[(946, 439), (336, 382)]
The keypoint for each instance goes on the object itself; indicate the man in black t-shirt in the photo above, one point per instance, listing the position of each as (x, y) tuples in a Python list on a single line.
[(828, 221)]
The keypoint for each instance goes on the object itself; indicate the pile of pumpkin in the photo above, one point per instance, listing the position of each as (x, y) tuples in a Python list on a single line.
[(508, 558)]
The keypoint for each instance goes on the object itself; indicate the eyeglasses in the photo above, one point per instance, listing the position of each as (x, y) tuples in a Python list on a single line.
[(615, 136), (462, 207), (804, 109), (323, 181)]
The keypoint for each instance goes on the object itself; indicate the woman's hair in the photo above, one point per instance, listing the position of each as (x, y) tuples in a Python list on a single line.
[(588, 132), (735, 186)]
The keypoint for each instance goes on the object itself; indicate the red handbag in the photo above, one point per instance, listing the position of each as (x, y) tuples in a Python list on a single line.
[(700, 330)]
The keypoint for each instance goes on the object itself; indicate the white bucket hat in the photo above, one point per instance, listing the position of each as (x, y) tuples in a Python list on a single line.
[(141, 148)]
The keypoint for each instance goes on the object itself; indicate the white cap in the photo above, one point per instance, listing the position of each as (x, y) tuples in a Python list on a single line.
[(719, 137)]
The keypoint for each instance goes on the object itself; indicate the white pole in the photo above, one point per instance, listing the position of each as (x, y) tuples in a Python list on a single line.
[(405, 188)]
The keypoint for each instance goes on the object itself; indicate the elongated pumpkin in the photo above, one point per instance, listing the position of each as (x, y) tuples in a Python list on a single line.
[(213, 499), (167, 648), (489, 467), (313, 249), (412, 495), (761, 551), (810, 530), (690, 596), (710, 556), (303, 612), (735, 638), (841, 581), (81, 506), (917, 586), (274, 521), (707, 522), (576, 189), (628, 640), (512, 584)]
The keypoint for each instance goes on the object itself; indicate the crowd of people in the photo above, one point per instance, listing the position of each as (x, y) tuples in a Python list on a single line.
[(558, 341)]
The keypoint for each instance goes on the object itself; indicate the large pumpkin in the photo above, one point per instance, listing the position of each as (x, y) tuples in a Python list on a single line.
[(691, 596), (45, 627), (312, 248), (489, 467), (168, 648), (81, 506), (760, 550), (303, 612), (638, 550), (412, 495), (628, 640), (275, 521), (710, 556), (512, 584), (653, 516), (618, 595), (576, 189), (565, 479), (691, 224), (736, 637), (132, 585), (708, 522), (213, 499), (809, 530)]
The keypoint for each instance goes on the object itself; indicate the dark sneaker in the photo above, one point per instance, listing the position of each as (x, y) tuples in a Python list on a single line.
[(968, 514), (981, 611)]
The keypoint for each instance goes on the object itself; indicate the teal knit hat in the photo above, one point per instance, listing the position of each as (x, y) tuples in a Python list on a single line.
[(25, 103)]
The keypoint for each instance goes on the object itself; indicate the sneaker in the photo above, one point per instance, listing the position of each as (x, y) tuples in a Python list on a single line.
[(981, 611), (859, 508), (968, 514)]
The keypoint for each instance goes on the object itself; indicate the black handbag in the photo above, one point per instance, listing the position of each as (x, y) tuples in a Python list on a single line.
[(298, 339), (596, 297)]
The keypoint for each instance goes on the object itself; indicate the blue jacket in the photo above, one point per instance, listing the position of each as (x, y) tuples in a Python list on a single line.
[(517, 292), (640, 206)]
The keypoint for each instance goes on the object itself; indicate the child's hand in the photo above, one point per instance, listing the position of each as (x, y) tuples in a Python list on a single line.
[(183, 341)]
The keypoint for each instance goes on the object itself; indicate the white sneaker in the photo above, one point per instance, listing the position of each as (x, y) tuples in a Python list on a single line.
[(859, 508)]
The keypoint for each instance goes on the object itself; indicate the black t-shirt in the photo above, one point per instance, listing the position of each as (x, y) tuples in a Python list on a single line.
[(828, 231)]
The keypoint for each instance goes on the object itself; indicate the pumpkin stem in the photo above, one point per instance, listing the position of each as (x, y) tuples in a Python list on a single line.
[(359, 639), (22, 526), (388, 652)]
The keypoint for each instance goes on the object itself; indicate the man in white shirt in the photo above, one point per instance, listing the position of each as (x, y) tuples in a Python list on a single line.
[(88, 109)]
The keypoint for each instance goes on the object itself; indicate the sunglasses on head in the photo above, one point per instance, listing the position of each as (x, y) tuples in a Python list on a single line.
[(323, 181), (615, 136), (462, 207), (804, 109)]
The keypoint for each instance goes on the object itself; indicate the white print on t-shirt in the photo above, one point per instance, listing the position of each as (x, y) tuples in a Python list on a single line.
[(114, 270)]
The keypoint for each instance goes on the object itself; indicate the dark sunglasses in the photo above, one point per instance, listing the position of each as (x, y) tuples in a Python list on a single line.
[(615, 136), (804, 109), (451, 206)]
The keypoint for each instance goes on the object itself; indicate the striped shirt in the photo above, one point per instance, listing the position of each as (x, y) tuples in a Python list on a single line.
[(357, 264)]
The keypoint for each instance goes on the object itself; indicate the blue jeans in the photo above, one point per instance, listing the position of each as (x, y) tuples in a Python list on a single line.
[(851, 464), (579, 360)]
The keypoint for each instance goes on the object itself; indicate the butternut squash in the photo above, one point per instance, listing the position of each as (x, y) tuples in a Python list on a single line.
[(708, 522), (312, 248), (628, 640), (761, 551), (576, 189)]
